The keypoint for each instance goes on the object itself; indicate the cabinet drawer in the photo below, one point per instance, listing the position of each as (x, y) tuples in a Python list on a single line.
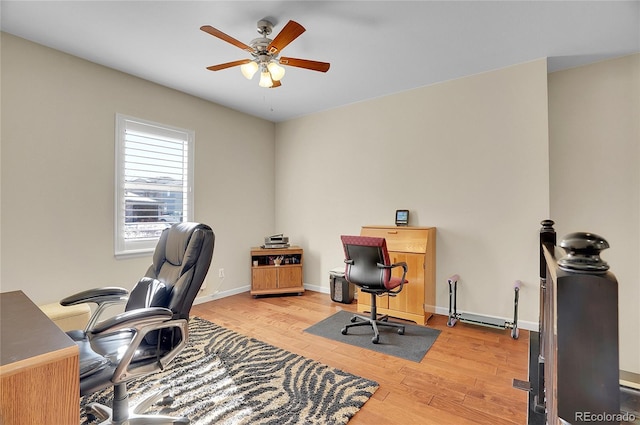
[(400, 239)]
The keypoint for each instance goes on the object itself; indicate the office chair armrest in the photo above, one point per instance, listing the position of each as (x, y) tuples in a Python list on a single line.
[(96, 295), (126, 370), (142, 321), (103, 297), (404, 266), (403, 280), (134, 319), (394, 265)]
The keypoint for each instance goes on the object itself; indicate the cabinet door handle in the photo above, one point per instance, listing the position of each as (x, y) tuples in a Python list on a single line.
[(392, 232)]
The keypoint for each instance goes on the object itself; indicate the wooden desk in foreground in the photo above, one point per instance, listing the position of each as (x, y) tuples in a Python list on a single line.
[(39, 366)]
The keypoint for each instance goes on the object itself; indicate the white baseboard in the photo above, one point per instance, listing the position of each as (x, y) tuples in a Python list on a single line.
[(221, 294), (317, 288), (522, 324)]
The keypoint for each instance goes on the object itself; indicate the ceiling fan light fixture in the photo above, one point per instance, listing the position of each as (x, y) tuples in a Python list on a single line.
[(277, 72), (265, 79), (249, 69)]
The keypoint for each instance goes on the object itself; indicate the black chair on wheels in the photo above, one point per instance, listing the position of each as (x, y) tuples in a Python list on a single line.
[(153, 328), (369, 268)]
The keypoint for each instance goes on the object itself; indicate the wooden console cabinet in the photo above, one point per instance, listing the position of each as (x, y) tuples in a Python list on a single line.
[(416, 246), (269, 278)]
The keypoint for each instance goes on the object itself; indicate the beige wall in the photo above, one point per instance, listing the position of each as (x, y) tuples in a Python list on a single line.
[(468, 156), (58, 120), (594, 131)]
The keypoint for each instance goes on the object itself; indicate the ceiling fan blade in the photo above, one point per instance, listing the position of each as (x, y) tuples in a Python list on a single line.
[(222, 36), (228, 65), (306, 64), (290, 32)]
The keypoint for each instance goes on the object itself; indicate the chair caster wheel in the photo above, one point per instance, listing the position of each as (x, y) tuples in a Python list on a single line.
[(375, 339), (400, 331), (344, 331), (353, 319)]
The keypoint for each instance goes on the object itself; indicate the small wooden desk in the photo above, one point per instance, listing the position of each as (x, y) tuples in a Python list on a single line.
[(39, 366)]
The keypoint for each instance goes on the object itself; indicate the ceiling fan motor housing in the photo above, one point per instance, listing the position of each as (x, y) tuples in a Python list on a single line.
[(260, 44)]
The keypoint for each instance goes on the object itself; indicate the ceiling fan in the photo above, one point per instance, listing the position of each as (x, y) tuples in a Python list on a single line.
[(265, 52)]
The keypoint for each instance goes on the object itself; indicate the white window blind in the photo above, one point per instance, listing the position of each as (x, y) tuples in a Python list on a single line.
[(154, 168)]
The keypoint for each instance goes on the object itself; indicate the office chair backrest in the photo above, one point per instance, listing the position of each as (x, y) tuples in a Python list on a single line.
[(362, 256), (180, 263)]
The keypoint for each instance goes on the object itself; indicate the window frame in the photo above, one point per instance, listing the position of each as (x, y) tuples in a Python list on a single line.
[(129, 248)]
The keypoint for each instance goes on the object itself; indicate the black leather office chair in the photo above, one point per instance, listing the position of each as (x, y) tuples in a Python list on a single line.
[(153, 328), (369, 268)]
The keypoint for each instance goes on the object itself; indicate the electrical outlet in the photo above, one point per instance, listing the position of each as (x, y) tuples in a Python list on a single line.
[(221, 273)]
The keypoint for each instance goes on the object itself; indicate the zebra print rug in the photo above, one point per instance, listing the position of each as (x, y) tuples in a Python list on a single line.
[(222, 377)]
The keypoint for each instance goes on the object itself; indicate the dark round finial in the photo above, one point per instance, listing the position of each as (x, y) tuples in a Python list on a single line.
[(547, 223), (583, 253)]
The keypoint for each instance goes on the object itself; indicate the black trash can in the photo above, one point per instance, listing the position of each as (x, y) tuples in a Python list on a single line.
[(341, 290)]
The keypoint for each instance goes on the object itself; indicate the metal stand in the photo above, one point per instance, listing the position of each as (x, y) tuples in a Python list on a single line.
[(475, 319)]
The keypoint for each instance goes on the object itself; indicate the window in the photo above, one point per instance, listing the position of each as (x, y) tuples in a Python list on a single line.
[(154, 179)]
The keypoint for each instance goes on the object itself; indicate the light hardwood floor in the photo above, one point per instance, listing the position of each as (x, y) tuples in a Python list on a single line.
[(465, 378)]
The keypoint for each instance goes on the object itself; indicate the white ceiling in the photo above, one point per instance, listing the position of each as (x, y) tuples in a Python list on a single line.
[(375, 47)]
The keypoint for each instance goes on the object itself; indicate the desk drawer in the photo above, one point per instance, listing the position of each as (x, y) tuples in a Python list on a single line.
[(400, 239)]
